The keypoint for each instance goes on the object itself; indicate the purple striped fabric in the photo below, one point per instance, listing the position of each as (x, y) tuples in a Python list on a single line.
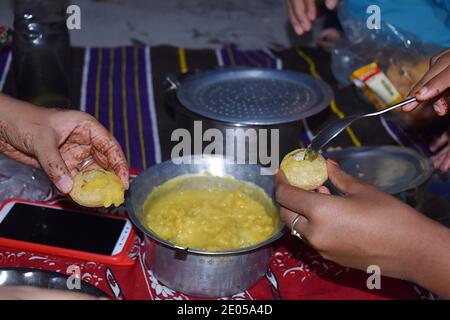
[(407, 136), (4, 54), (304, 138), (132, 112), (232, 56), (117, 95), (147, 129)]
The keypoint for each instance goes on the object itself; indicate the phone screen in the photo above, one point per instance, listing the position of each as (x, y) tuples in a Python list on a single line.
[(62, 228)]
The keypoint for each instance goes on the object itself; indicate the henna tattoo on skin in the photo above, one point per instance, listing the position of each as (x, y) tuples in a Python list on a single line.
[(76, 135)]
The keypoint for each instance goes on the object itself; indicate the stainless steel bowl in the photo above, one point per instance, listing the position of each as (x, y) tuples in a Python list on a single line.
[(44, 279), (197, 272)]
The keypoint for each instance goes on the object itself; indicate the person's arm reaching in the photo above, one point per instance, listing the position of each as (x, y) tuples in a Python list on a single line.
[(35, 293), (441, 159), (57, 140), (433, 85), (368, 227), (303, 13)]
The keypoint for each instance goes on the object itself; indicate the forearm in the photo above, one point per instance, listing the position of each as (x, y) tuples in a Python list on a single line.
[(17, 118), (14, 110), (430, 267)]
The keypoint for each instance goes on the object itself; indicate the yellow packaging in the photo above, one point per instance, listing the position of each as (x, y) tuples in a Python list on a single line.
[(376, 86)]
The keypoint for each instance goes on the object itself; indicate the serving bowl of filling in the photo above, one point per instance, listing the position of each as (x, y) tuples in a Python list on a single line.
[(208, 224)]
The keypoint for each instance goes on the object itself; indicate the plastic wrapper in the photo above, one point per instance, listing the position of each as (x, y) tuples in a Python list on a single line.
[(376, 86), (23, 182)]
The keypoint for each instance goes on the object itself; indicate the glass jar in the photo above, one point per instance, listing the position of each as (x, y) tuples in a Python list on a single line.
[(41, 52)]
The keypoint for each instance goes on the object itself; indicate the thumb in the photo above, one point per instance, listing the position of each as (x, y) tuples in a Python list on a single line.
[(331, 4), (53, 164), (341, 180)]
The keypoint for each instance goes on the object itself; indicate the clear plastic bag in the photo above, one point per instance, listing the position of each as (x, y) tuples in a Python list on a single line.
[(387, 46), (23, 182)]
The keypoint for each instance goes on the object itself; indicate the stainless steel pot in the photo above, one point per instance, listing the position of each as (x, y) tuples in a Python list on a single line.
[(244, 98), (288, 138), (196, 272)]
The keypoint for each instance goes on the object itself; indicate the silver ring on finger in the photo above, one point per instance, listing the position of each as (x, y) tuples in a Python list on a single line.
[(86, 162), (293, 231)]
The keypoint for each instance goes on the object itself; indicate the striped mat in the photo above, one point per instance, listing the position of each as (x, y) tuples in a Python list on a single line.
[(123, 88), (117, 89), (5, 62)]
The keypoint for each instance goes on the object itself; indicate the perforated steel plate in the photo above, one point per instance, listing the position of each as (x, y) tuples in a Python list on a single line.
[(254, 96), (393, 169)]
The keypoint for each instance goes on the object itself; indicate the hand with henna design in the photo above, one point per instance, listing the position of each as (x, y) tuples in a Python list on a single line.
[(57, 141)]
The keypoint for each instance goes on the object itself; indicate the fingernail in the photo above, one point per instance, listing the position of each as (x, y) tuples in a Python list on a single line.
[(423, 92), (65, 184), (410, 106), (440, 107)]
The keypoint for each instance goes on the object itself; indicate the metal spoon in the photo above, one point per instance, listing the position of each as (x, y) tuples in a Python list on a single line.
[(331, 131)]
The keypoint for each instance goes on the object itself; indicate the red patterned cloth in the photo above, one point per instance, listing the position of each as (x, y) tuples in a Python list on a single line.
[(296, 272)]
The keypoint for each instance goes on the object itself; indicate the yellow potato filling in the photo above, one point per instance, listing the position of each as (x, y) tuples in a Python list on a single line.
[(212, 219), (96, 188), (307, 174)]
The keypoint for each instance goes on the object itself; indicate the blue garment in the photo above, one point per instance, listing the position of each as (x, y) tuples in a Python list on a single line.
[(427, 20)]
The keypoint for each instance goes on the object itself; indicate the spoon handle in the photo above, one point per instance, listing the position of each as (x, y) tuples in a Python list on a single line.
[(395, 106)]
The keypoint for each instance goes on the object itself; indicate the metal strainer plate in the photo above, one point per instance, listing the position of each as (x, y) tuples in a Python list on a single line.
[(254, 96)]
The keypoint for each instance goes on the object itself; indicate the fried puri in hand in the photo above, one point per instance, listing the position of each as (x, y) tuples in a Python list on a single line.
[(307, 174), (97, 188)]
